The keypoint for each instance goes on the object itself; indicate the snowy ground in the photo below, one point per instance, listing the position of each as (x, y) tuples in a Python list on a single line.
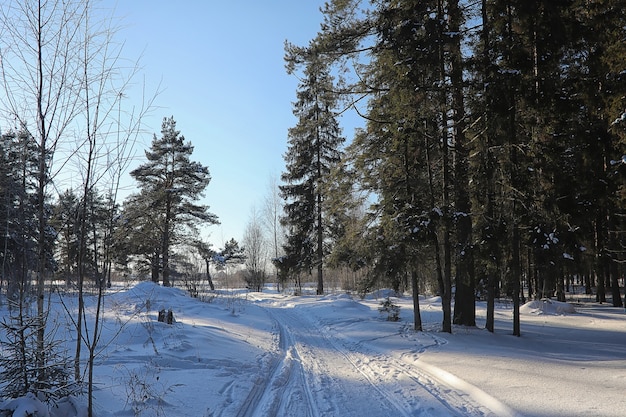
[(268, 354)]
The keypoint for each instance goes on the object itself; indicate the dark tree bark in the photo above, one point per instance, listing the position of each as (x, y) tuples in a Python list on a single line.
[(465, 301), (417, 318)]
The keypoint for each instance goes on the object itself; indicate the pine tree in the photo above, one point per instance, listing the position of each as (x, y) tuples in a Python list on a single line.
[(172, 184), (230, 254), (207, 254), (18, 156), (65, 221), (314, 148), (604, 94), (138, 235), (465, 294)]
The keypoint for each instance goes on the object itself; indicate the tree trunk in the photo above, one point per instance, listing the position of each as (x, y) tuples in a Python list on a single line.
[(93, 344), (446, 297), (489, 172), (320, 231), (465, 297), (599, 261), (417, 318), (615, 291), (154, 267), (208, 276), (529, 273), (515, 278), (433, 232), (41, 187), (491, 302), (165, 250)]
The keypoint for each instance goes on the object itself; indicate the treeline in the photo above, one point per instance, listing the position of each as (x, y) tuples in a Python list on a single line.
[(92, 235), (492, 152)]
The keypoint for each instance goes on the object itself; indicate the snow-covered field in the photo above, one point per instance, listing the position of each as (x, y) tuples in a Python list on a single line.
[(267, 354)]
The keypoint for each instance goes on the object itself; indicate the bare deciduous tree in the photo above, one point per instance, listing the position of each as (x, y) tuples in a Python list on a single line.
[(102, 156), (40, 59), (270, 219), (62, 78), (255, 252)]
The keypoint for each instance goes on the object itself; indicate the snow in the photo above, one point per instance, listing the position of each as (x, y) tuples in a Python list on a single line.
[(268, 354), (547, 306)]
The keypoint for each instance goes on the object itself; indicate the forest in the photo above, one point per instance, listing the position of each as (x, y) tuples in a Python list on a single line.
[(490, 163)]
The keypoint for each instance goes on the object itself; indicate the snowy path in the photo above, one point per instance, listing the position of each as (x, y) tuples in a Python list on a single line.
[(269, 354), (321, 372)]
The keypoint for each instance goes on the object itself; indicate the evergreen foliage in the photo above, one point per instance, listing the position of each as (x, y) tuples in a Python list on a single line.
[(18, 189), (314, 148), (493, 143), (19, 372), (390, 309), (170, 185), (231, 254)]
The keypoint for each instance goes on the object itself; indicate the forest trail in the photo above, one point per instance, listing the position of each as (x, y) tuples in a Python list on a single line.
[(319, 372)]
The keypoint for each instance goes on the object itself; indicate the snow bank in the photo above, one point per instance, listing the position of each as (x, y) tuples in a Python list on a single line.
[(382, 293), (24, 407), (547, 306)]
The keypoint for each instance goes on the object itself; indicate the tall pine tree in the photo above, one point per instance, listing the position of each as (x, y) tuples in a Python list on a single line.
[(173, 183)]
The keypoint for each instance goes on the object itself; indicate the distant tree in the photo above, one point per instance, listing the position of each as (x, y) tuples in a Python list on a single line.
[(207, 254), (172, 184), (231, 254), (65, 220), (255, 253), (314, 148), (271, 213)]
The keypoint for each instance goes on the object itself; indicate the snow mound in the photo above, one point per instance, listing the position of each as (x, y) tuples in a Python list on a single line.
[(382, 293), (547, 306)]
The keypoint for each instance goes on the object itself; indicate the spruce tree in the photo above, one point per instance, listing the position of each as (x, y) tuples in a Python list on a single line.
[(465, 295), (314, 148)]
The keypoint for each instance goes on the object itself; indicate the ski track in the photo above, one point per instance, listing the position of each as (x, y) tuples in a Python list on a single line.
[(285, 391), (460, 397), (302, 379), (319, 373)]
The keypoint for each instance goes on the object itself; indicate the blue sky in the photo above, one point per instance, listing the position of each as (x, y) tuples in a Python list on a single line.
[(221, 71)]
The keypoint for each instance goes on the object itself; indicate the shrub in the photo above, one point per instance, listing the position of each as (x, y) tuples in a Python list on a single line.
[(392, 310)]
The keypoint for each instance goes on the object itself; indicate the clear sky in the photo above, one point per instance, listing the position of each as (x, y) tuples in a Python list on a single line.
[(221, 71)]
